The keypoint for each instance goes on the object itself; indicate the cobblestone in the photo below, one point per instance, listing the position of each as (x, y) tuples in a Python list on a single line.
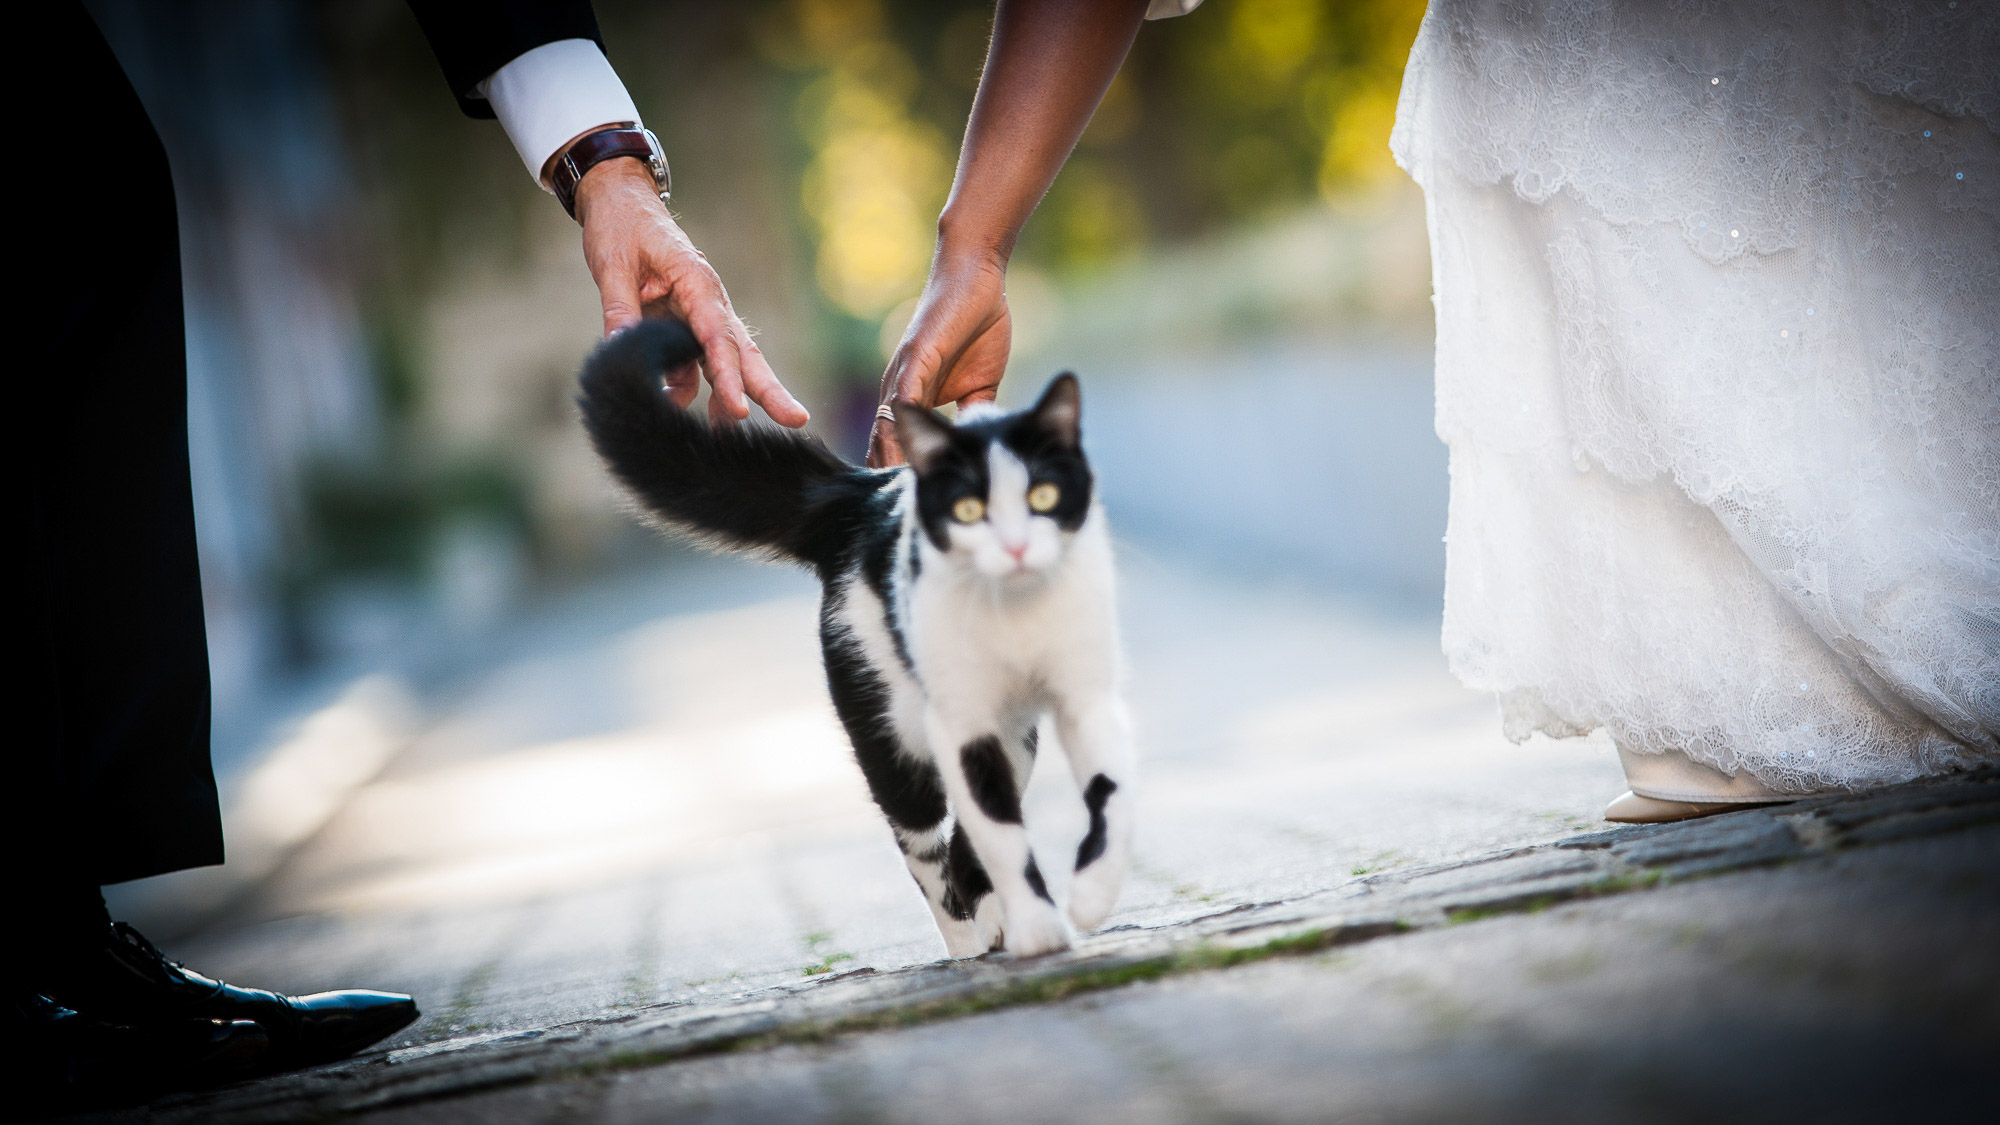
[(1830, 958)]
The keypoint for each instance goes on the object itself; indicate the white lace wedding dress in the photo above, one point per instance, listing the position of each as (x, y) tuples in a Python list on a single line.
[(1718, 361)]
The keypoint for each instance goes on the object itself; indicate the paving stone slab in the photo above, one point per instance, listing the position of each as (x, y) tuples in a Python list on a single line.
[(1587, 866)]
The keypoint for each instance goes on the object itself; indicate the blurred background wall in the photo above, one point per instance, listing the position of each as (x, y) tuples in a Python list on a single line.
[(385, 313)]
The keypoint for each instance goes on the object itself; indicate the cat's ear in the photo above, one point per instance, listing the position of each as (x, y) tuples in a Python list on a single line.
[(923, 434), (1059, 412)]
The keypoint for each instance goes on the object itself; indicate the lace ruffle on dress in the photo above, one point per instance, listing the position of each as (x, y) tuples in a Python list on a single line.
[(1718, 362)]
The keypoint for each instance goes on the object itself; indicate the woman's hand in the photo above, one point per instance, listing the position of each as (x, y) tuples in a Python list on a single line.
[(955, 349), (1047, 66), (643, 263)]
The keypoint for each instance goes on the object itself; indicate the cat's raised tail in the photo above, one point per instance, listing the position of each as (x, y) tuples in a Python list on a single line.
[(748, 488)]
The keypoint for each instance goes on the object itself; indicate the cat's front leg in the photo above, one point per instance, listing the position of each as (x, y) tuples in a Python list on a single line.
[(934, 864), (1097, 733), (904, 781), (985, 795), (970, 897)]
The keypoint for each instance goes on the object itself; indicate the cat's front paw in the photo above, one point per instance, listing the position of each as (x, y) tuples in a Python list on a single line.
[(1037, 930), (975, 936), (1094, 891), (965, 939)]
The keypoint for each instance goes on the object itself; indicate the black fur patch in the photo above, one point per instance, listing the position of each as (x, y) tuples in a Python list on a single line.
[(959, 472), (1036, 883), (908, 791), (878, 559), (1094, 795), (991, 779), (966, 881), (1051, 459), (750, 487), (1051, 454)]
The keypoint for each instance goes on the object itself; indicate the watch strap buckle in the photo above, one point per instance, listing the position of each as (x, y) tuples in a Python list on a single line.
[(599, 145)]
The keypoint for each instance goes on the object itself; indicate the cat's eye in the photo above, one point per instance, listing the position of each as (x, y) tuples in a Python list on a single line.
[(969, 509), (1043, 497)]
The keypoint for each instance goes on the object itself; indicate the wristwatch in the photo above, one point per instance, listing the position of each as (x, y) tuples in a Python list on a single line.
[(592, 149)]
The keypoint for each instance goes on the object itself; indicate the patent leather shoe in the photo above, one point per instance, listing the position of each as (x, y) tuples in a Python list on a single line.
[(125, 979), (70, 1061)]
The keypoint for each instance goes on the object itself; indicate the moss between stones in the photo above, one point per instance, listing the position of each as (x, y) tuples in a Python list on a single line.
[(1058, 985), (1535, 904), (1199, 957)]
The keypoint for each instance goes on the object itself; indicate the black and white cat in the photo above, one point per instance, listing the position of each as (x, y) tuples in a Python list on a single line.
[(967, 598)]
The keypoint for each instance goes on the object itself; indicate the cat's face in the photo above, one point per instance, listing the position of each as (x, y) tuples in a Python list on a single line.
[(1001, 494)]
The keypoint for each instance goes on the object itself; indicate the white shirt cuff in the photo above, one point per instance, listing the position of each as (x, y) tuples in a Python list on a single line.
[(554, 93), (1168, 9)]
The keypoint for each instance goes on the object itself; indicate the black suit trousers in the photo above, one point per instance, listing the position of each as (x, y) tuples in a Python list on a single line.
[(109, 777), (110, 772)]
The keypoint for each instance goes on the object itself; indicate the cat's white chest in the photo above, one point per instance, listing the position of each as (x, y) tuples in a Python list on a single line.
[(971, 637)]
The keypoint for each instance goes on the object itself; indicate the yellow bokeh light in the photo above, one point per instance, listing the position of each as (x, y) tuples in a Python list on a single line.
[(870, 193), (877, 175), (1357, 144), (1273, 38)]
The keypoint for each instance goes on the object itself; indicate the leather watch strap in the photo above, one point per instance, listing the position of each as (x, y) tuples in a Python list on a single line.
[(592, 149)]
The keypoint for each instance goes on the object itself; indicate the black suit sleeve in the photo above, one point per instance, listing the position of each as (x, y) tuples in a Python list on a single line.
[(472, 40)]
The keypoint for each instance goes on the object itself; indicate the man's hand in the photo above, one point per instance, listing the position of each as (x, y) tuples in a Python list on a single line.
[(643, 263), (955, 349)]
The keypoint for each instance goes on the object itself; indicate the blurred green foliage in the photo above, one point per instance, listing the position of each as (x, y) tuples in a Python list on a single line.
[(380, 519), (1240, 111)]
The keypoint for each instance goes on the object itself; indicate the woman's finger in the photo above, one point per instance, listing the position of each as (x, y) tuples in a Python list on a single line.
[(883, 452)]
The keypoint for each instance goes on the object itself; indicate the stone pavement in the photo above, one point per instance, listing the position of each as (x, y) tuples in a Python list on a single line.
[(626, 865), (1832, 959), (652, 803)]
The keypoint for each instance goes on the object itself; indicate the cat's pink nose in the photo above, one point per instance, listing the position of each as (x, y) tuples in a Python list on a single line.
[(1016, 551)]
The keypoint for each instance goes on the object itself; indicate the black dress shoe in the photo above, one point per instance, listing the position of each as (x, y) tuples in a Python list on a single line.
[(69, 1061), (124, 979)]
